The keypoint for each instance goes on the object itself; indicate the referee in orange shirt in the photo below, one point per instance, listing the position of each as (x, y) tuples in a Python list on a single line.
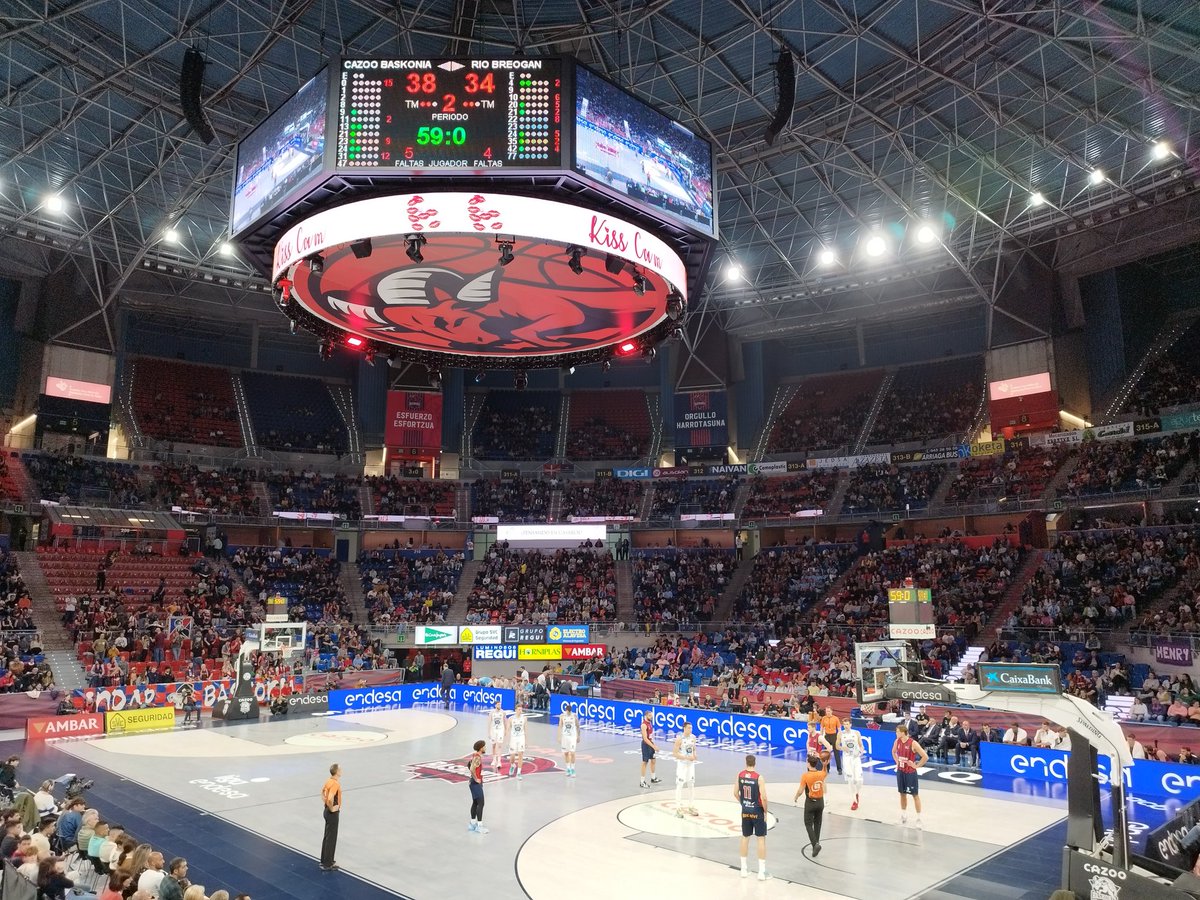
[(829, 727), (331, 796)]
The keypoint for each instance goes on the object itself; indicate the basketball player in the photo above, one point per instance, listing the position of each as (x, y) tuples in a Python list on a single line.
[(909, 756), (851, 744), (684, 752), (496, 729), (515, 726), (475, 767), (812, 786), (568, 736), (751, 792), (649, 750), (817, 745)]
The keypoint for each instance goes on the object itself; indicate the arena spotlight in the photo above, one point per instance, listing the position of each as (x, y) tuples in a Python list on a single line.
[(316, 263), (1160, 150), (639, 283), (626, 348), (54, 203), (415, 242), (568, 370), (355, 342), (576, 253), (876, 245), (292, 326), (361, 249), (1096, 176), (171, 236), (227, 249), (506, 251), (1037, 198), (827, 256), (613, 265), (520, 379), (674, 306), (733, 272), (926, 234), (369, 356)]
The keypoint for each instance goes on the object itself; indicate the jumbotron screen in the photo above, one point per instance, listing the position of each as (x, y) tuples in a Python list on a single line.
[(630, 147), (456, 114), (280, 155)]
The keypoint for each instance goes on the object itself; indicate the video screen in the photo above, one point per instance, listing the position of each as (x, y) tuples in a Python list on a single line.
[(284, 151), (626, 145)]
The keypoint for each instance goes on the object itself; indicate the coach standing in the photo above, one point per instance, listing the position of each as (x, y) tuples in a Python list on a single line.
[(331, 796)]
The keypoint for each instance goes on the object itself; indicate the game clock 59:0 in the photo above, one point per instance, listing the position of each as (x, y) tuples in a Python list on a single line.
[(449, 114)]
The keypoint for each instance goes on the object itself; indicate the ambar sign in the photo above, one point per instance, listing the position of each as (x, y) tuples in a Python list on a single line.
[(64, 726)]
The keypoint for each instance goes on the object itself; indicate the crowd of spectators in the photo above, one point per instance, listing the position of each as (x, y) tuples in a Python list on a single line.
[(1173, 379), (886, 486), (72, 479), (329, 439), (532, 587), (314, 492), (511, 500), (197, 418), (930, 401), (807, 490), (310, 581), (510, 429), (801, 430), (1094, 580), (223, 492), (1139, 465), (1022, 472), (692, 495), (409, 586), (21, 645), (786, 580), (679, 587), (603, 497), (597, 439), (412, 496)]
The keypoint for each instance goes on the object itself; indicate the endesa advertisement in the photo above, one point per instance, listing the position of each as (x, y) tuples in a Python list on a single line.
[(391, 696), (1145, 778)]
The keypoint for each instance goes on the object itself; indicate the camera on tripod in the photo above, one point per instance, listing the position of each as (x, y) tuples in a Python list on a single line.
[(77, 785)]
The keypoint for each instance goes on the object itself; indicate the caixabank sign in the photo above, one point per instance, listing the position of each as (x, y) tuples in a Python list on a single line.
[(1020, 678)]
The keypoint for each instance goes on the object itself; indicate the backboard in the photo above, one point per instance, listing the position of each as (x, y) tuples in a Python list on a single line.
[(282, 637), (879, 663)]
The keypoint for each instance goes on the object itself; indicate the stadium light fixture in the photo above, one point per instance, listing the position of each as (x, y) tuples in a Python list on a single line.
[(675, 306), (626, 348), (55, 204), (325, 350), (649, 354), (369, 357), (227, 249), (361, 249), (613, 265), (521, 380), (171, 236), (1160, 150), (506, 251), (876, 245), (479, 376), (291, 326), (355, 342), (1096, 177), (316, 263), (435, 379), (606, 365), (733, 272), (827, 256), (1037, 198), (926, 234), (639, 283), (415, 242), (576, 253)]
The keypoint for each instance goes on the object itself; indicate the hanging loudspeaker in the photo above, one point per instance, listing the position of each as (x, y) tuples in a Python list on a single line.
[(191, 80), (785, 90)]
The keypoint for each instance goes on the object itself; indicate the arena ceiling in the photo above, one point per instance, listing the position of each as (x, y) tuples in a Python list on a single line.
[(951, 114)]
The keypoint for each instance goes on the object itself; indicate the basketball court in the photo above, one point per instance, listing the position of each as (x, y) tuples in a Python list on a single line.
[(404, 826)]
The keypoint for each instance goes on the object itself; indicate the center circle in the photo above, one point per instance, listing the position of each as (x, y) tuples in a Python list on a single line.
[(716, 819), (336, 739)]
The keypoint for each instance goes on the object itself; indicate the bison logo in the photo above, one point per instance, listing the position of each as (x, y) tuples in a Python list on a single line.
[(461, 300), (455, 771)]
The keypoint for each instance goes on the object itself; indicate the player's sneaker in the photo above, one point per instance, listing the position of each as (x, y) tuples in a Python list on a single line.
[(692, 811), (679, 813), (472, 826), (816, 850), (520, 777), (919, 823), (745, 872), (654, 779), (854, 805), (903, 818), (481, 829), (763, 876), (642, 783)]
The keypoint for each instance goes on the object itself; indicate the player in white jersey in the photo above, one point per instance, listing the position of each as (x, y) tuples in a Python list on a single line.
[(850, 742), (568, 736), (496, 733), (685, 771), (516, 741)]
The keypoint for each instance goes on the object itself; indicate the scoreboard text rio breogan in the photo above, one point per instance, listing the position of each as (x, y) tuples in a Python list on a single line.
[(449, 114)]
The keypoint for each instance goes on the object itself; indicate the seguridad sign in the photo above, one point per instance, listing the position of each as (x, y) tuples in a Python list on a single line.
[(134, 720), (480, 634)]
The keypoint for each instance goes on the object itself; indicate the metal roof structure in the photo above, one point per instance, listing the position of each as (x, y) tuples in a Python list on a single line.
[(966, 137)]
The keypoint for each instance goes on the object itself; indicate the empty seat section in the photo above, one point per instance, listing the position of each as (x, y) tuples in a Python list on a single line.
[(608, 425), (178, 401), (294, 413), (517, 425)]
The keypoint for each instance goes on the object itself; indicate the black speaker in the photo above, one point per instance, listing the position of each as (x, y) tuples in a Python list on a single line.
[(785, 90), (191, 80)]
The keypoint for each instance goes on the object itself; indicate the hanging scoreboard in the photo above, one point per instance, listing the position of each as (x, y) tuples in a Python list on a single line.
[(449, 114)]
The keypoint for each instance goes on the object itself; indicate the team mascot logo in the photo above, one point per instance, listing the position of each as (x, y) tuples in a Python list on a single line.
[(455, 771), (459, 299)]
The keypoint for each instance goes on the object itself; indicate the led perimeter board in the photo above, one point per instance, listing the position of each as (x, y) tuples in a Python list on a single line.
[(467, 115)]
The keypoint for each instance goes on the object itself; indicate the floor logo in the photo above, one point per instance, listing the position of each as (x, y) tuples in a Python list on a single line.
[(455, 771)]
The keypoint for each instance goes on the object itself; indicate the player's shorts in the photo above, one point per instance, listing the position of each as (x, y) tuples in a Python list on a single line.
[(754, 824), (685, 773), (516, 745), (647, 752), (568, 744), (476, 790), (906, 783), (498, 736), (853, 768)]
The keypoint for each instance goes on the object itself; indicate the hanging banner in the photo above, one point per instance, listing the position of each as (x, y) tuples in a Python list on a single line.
[(1170, 652), (414, 420), (850, 462), (1108, 432), (701, 419)]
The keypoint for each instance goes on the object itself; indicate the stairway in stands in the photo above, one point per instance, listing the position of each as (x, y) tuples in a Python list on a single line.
[(350, 581), (47, 618), (625, 611), (466, 581), (969, 658), (779, 404), (947, 482), (1054, 487), (733, 590), (1012, 597), (885, 388)]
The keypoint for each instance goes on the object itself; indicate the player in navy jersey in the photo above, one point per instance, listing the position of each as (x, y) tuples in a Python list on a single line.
[(750, 791), (909, 756), (475, 768)]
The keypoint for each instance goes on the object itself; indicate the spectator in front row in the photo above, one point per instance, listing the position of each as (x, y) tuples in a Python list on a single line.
[(52, 881), (170, 888), (1177, 712), (70, 821), (151, 880)]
